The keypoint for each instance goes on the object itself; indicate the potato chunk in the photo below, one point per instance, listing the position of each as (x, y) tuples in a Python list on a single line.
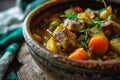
[(51, 44), (83, 15), (105, 13), (58, 29), (115, 45)]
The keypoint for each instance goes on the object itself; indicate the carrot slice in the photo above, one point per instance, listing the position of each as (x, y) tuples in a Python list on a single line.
[(79, 54), (78, 9), (99, 43)]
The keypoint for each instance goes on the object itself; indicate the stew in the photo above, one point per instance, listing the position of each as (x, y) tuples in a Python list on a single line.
[(82, 34)]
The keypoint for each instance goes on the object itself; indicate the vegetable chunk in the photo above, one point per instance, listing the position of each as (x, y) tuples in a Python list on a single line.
[(66, 40), (115, 45), (83, 15), (51, 45), (79, 54), (99, 43), (104, 14)]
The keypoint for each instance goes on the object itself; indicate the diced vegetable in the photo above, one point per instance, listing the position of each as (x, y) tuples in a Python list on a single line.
[(79, 54), (115, 45), (59, 28), (78, 9), (83, 15), (105, 13), (55, 22), (91, 14), (99, 43), (51, 45), (72, 16), (37, 37), (94, 30)]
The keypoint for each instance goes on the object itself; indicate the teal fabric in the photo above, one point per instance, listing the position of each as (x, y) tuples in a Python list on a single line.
[(11, 35)]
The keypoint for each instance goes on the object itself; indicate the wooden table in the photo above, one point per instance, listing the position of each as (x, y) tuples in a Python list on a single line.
[(29, 70)]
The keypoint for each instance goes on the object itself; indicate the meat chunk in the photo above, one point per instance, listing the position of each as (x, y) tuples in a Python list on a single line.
[(115, 45), (66, 40), (70, 10), (74, 26), (111, 27), (91, 14)]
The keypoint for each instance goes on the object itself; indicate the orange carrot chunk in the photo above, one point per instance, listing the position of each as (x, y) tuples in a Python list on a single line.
[(99, 44), (78, 9), (79, 54)]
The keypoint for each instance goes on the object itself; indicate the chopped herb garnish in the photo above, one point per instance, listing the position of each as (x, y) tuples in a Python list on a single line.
[(85, 32), (100, 10), (91, 23), (82, 18), (72, 16), (97, 19), (83, 43), (110, 17), (99, 24), (99, 59), (44, 44), (73, 24), (85, 37), (96, 23)]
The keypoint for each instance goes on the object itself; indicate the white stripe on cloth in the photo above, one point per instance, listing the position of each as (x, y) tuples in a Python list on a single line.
[(8, 18), (7, 57), (4, 63)]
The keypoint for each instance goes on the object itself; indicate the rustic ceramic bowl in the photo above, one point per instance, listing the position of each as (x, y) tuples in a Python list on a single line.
[(59, 67)]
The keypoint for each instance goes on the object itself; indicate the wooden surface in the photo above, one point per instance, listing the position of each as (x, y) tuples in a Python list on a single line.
[(29, 70)]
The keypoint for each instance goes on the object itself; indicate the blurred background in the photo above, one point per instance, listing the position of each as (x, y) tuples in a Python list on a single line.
[(5, 4)]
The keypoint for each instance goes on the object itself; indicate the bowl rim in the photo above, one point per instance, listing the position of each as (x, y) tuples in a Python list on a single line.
[(27, 33)]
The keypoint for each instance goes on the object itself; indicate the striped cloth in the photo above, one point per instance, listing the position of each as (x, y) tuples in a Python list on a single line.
[(11, 36)]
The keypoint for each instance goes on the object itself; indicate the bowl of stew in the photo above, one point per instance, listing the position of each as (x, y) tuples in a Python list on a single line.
[(75, 39)]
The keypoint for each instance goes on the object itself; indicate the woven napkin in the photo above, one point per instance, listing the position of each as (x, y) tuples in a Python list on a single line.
[(11, 36)]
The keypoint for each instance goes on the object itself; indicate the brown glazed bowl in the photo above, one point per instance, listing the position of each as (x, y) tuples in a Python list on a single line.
[(59, 67)]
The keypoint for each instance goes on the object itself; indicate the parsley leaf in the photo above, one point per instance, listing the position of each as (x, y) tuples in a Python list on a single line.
[(97, 19), (85, 37), (72, 16), (85, 31), (99, 59), (96, 23), (110, 17), (91, 23)]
